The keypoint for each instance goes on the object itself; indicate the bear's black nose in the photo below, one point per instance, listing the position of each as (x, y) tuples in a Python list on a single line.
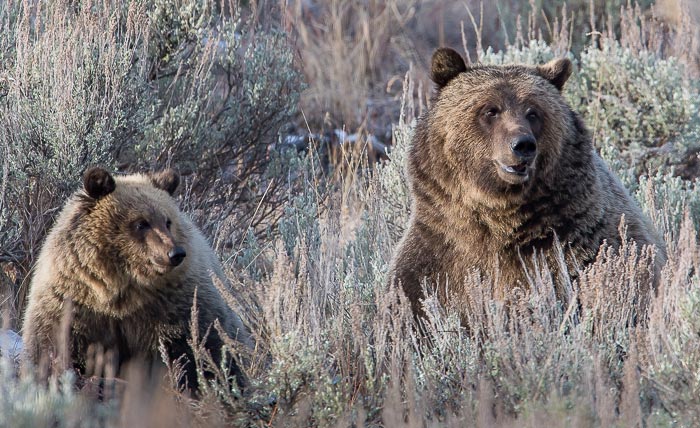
[(177, 255), (524, 147)]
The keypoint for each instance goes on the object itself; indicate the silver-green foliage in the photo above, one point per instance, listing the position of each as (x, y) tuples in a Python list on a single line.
[(224, 89), (639, 103), (668, 200), (24, 402), (68, 87), (535, 52)]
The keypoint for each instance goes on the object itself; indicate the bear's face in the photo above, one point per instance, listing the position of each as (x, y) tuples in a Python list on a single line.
[(134, 224), (499, 125)]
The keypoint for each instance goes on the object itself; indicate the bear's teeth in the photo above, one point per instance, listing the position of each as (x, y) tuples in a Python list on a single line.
[(517, 169)]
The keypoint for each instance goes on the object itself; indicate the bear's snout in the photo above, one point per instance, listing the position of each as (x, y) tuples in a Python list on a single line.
[(176, 255), (524, 147)]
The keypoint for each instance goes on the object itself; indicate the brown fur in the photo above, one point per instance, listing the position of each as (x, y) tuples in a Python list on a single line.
[(109, 257), (469, 213)]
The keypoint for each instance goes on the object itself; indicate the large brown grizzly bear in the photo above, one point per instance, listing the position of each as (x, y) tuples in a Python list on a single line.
[(126, 261), (499, 166)]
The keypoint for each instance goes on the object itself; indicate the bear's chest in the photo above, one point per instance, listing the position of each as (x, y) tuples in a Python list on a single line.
[(511, 255), (134, 336)]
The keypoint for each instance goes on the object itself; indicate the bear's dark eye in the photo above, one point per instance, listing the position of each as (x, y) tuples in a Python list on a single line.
[(532, 116), (142, 225), (168, 223), (491, 111)]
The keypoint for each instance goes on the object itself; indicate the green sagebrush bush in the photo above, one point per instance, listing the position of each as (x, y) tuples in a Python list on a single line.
[(27, 403), (642, 105)]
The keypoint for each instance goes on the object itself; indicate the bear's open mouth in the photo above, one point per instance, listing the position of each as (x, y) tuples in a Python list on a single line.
[(520, 169), (514, 174)]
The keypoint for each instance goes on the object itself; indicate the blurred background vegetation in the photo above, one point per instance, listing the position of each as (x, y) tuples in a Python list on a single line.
[(275, 113)]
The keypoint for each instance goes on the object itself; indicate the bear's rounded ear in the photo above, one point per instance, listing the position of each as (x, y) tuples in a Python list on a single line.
[(445, 66), (98, 183), (557, 71), (167, 180)]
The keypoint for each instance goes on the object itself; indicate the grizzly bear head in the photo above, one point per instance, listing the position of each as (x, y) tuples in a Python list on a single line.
[(131, 225), (499, 127)]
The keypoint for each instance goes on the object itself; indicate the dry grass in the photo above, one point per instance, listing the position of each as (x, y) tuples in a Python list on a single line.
[(350, 51)]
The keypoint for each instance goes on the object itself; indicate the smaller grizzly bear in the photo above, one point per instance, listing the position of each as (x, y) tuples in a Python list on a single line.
[(501, 168), (126, 262)]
